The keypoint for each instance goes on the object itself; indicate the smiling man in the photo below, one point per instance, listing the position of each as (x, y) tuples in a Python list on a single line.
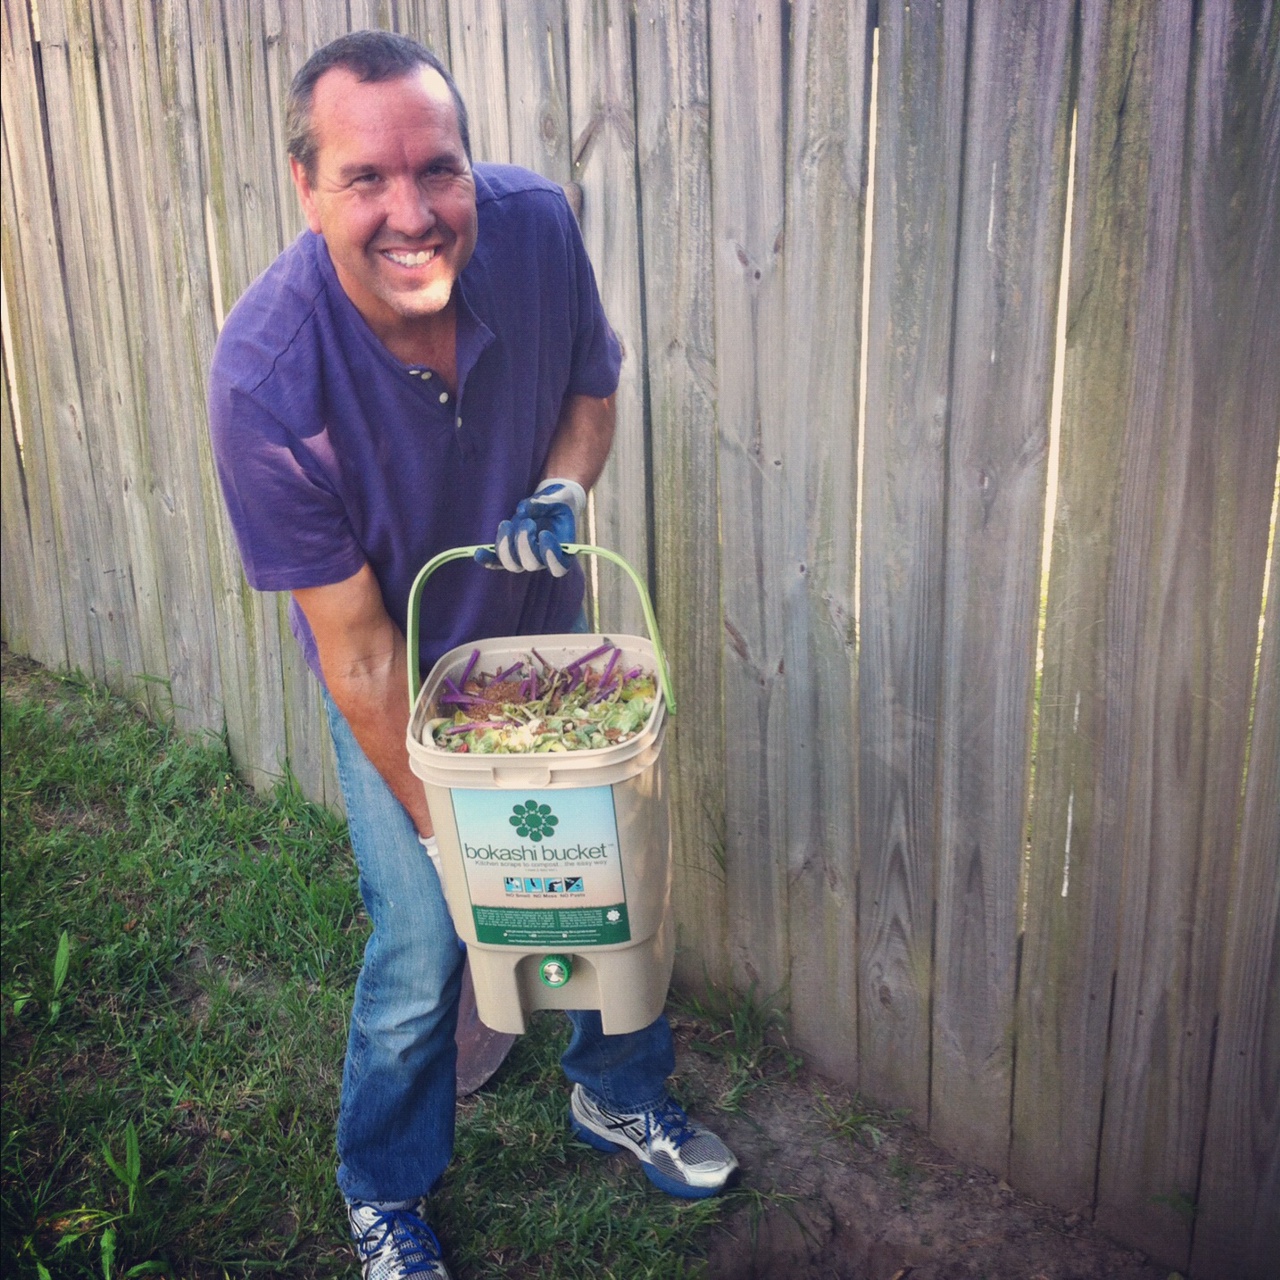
[(427, 366)]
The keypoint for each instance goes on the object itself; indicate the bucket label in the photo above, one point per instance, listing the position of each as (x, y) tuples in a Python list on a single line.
[(543, 868)]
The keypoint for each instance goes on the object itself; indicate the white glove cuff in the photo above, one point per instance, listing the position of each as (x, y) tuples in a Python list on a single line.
[(572, 494), (433, 852)]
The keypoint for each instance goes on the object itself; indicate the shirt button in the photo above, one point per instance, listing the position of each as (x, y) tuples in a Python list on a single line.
[(444, 397), (459, 420)]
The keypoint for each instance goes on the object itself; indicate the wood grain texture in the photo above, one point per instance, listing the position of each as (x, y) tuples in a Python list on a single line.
[(281, 36), (914, 235), (1235, 247), (537, 88), (428, 22), (232, 94), (1065, 988), (1010, 257), (106, 562), (603, 132), (376, 15), (1198, 477), (1237, 1227), (673, 100), (18, 582), (826, 177), (748, 47), (1236, 236), (29, 253), (308, 743), (166, 321), (478, 63)]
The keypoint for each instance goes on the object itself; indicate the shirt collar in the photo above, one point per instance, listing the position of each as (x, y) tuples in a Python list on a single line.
[(473, 336)]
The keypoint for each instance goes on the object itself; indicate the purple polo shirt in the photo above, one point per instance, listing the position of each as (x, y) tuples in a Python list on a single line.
[(332, 453)]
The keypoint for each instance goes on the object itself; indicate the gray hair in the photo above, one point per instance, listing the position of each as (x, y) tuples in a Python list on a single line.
[(371, 56)]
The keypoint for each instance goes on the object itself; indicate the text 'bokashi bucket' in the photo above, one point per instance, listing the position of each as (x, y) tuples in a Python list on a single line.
[(555, 862)]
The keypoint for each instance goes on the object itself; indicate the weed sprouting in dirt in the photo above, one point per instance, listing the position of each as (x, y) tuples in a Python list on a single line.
[(746, 1034), (856, 1121)]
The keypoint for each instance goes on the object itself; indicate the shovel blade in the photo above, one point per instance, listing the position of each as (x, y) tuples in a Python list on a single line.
[(481, 1050)]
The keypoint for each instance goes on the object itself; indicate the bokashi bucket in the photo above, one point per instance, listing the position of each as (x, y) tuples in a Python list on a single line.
[(556, 865)]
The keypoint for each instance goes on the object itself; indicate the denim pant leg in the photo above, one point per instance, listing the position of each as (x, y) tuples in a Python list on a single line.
[(395, 1122), (627, 1072)]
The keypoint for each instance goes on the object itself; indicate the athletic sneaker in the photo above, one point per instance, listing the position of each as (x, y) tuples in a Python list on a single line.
[(393, 1244), (677, 1154)]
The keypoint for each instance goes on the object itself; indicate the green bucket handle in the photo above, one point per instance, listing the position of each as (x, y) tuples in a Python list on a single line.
[(464, 553)]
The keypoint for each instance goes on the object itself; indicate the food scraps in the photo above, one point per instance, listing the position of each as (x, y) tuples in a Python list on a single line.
[(535, 706)]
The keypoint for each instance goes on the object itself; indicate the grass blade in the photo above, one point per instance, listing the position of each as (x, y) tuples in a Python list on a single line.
[(61, 962), (108, 1245)]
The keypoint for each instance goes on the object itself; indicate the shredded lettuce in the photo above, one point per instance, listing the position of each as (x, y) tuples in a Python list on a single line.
[(534, 706)]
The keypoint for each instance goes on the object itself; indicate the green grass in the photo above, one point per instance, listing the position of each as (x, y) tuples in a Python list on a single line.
[(855, 1121), (171, 1070), (745, 1035)]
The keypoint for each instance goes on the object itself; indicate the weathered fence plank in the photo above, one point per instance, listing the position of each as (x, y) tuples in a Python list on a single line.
[(673, 97), (476, 47), (380, 15), (310, 755), (1065, 991), (1198, 477), (18, 581), (913, 238), (109, 571), (826, 176), (537, 88), (426, 21), (1236, 201), (232, 95), (748, 157), (1237, 1227), (1010, 255), (284, 34), (28, 262), (166, 321), (603, 136)]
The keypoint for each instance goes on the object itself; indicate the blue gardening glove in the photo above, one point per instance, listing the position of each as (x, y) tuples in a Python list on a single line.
[(532, 538)]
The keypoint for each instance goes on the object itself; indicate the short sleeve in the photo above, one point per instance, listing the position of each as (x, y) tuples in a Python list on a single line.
[(281, 491)]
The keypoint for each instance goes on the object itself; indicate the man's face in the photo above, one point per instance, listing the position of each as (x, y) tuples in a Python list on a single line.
[(392, 194)]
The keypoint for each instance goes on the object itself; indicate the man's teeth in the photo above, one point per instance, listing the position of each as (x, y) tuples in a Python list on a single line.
[(412, 259)]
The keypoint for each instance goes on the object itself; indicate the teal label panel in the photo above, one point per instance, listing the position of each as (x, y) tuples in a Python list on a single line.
[(543, 867)]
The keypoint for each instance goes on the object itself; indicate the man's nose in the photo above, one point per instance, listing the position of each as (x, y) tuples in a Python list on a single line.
[(409, 211)]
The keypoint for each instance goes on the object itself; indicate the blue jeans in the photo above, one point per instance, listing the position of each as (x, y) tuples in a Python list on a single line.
[(395, 1121)]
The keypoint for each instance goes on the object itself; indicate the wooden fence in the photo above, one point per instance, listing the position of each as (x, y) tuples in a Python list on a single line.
[(1009, 854)]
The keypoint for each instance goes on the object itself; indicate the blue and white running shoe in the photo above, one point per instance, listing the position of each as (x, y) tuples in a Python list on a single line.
[(679, 1155), (394, 1244)]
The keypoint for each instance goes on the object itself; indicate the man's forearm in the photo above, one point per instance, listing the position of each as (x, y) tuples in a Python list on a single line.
[(374, 699), (583, 438), (362, 656)]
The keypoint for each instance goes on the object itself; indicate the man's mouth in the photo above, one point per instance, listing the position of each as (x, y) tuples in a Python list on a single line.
[(419, 259)]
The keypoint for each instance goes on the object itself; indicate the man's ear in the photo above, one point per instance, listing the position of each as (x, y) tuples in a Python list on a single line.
[(306, 196)]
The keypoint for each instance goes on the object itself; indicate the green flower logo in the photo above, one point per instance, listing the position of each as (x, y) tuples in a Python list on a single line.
[(534, 821)]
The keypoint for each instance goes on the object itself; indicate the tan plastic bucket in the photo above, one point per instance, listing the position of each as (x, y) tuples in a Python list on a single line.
[(557, 866)]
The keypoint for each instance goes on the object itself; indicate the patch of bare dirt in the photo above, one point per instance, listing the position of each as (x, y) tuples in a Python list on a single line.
[(25, 678), (882, 1205)]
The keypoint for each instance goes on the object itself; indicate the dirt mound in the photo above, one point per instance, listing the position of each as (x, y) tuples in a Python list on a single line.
[(832, 1191)]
